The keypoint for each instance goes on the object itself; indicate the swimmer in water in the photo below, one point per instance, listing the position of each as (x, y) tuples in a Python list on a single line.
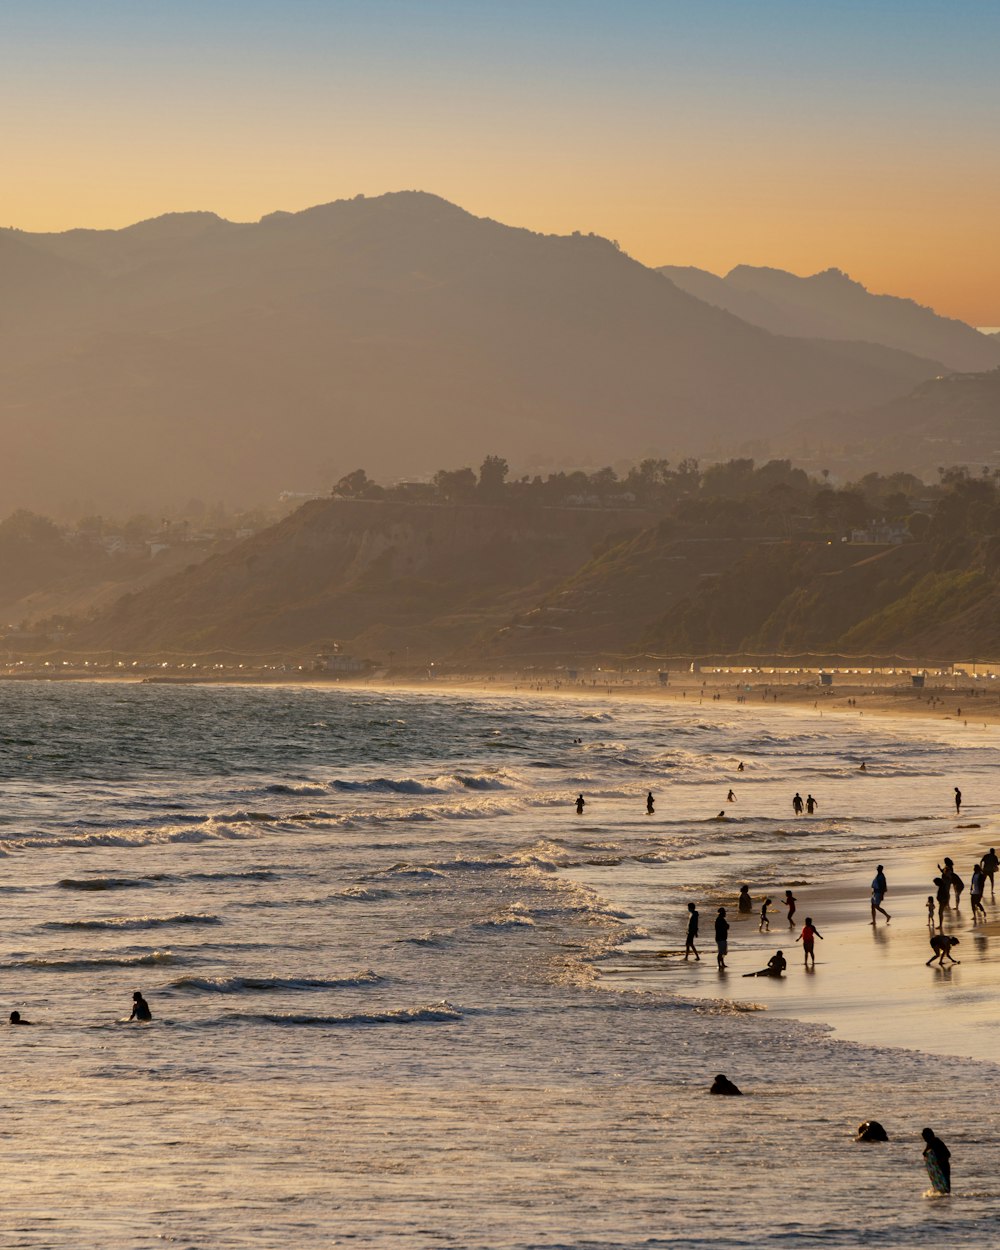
[(140, 1009), (739, 767), (811, 805), (723, 1085), (863, 768), (15, 1018)]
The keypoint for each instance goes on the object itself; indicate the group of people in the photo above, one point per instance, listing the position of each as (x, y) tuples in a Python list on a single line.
[(141, 1013), (777, 964)]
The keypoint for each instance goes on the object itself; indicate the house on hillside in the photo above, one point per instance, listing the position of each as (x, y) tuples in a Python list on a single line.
[(882, 532)]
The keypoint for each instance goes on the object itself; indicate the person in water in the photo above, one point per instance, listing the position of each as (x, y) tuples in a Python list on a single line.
[(863, 767), (739, 767), (765, 924), (939, 1152), (580, 801), (730, 797), (649, 803), (958, 801), (140, 1009), (745, 903), (941, 944), (811, 805), (721, 938), (808, 938), (776, 966), (879, 888), (15, 1018), (692, 933), (723, 1085), (871, 1130), (797, 804), (790, 900)]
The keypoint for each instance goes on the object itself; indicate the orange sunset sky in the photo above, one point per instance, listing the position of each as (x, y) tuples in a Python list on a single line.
[(803, 136)]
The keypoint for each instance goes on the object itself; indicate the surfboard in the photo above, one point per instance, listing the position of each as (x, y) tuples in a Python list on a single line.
[(938, 1179)]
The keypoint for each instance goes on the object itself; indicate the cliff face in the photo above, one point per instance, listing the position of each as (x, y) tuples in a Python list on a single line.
[(375, 575)]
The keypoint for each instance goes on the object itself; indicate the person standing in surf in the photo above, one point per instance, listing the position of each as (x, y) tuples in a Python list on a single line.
[(937, 1158), (692, 933), (797, 804), (879, 889), (721, 938), (958, 801), (140, 1009), (649, 803), (811, 805), (744, 902), (580, 801)]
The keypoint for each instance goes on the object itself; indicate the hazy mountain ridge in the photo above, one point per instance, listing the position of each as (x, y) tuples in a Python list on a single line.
[(832, 305), (187, 355)]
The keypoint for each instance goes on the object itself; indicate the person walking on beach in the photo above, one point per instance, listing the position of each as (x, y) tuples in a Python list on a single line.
[(811, 805), (879, 889), (976, 888), (958, 885), (765, 924), (649, 803), (580, 800), (692, 933), (941, 944), (790, 900), (797, 804), (990, 864), (958, 801), (937, 1159), (745, 902), (808, 938), (721, 938)]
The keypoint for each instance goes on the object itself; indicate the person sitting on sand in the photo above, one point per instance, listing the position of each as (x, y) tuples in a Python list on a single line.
[(941, 944), (808, 938), (871, 1130), (776, 966), (723, 1085), (745, 903), (765, 924), (940, 1153), (15, 1018), (140, 1009)]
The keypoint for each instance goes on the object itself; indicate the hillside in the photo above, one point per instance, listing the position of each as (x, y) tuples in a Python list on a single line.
[(191, 356), (830, 305), (379, 577)]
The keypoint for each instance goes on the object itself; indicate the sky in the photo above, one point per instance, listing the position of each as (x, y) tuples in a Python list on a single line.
[(861, 134)]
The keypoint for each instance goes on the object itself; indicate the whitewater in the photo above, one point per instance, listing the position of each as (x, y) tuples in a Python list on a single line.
[(398, 985)]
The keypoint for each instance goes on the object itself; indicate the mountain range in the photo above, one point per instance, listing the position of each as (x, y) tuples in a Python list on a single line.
[(191, 356)]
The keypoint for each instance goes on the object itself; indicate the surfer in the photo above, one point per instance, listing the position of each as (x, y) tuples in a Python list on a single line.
[(15, 1018), (941, 944), (745, 902), (958, 801), (863, 768), (811, 805), (937, 1158), (692, 932), (739, 767), (808, 938), (649, 803), (776, 966), (797, 804), (879, 889), (721, 938), (579, 804), (723, 1085), (140, 1009)]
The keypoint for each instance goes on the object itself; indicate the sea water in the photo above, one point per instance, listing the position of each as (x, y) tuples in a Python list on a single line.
[(374, 960)]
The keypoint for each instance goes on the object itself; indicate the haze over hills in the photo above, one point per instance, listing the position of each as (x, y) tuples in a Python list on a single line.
[(191, 356), (831, 305)]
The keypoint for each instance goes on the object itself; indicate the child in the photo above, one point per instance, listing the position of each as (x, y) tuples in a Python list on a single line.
[(765, 924), (930, 910), (790, 900), (808, 939)]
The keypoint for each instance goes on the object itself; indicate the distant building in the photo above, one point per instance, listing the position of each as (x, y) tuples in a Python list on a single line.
[(882, 532), (337, 663)]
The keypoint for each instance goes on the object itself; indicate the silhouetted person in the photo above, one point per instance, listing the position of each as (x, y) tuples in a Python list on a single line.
[(579, 804), (930, 910), (976, 888), (721, 937), (692, 932), (15, 1018), (879, 888), (941, 944), (943, 885), (871, 1130), (937, 1151), (776, 966), (863, 767), (739, 767), (958, 801), (730, 797), (790, 900), (990, 865), (140, 1009), (808, 938), (723, 1085), (745, 903), (765, 924), (811, 804), (797, 804), (649, 803)]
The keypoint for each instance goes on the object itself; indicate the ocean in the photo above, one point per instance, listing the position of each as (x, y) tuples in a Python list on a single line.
[(383, 957)]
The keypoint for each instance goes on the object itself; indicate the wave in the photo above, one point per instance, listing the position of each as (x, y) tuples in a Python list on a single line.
[(135, 922), (386, 785), (102, 883), (255, 985), (362, 894), (436, 1013), (303, 790), (150, 960)]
